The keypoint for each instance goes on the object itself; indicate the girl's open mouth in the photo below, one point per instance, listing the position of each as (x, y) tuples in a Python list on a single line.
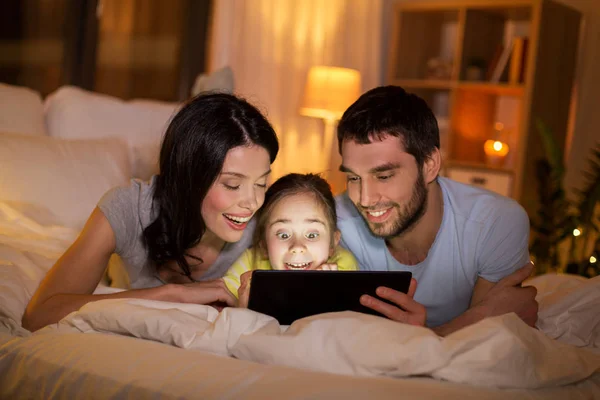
[(298, 266)]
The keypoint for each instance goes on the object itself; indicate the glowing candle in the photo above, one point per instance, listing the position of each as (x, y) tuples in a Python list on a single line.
[(495, 151)]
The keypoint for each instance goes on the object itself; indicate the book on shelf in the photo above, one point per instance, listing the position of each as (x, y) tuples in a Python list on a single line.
[(494, 62), (502, 62), (519, 60), (509, 62)]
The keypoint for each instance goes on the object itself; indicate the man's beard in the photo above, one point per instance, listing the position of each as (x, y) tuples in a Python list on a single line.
[(406, 218)]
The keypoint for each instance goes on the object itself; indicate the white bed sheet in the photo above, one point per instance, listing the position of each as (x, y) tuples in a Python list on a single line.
[(174, 361), (99, 366)]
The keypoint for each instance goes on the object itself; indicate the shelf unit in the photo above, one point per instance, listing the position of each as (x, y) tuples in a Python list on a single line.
[(473, 32)]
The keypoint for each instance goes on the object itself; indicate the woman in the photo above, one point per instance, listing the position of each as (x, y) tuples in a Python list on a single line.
[(186, 225)]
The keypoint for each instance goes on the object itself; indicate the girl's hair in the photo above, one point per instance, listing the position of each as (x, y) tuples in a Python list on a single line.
[(191, 157), (290, 185)]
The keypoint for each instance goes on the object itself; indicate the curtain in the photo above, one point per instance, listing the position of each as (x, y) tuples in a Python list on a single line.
[(270, 46)]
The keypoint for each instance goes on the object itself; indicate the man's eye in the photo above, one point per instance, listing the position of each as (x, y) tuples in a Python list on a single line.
[(312, 235), (283, 235), (352, 178), (384, 177)]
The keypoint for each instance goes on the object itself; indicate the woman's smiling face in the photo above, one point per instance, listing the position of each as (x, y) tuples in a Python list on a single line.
[(298, 235), (237, 193)]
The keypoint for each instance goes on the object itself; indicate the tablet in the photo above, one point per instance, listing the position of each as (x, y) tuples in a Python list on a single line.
[(291, 295)]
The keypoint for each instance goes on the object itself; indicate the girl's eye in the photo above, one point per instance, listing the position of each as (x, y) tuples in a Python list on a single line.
[(283, 235), (312, 235), (231, 187)]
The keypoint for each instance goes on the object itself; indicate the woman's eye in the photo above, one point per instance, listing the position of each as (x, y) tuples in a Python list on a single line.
[(283, 235), (262, 185), (312, 235), (231, 187)]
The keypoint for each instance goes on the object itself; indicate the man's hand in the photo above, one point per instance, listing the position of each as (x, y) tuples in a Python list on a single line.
[(508, 296), (407, 311), (244, 290)]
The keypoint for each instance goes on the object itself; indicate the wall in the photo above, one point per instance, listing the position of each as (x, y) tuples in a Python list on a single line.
[(585, 130)]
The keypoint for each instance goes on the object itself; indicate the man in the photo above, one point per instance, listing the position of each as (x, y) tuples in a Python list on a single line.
[(464, 245)]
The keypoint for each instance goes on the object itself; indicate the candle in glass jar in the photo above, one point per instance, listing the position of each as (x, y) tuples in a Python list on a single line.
[(495, 151)]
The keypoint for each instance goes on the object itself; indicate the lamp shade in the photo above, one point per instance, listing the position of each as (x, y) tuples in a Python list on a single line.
[(330, 91)]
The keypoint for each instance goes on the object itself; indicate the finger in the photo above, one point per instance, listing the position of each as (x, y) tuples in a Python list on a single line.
[(245, 278), (328, 267), (532, 289), (241, 290), (518, 276), (245, 283), (390, 311), (401, 299), (412, 288), (245, 286), (244, 298), (221, 295)]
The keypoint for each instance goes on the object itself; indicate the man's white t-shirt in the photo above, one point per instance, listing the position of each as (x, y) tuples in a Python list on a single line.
[(482, 234)]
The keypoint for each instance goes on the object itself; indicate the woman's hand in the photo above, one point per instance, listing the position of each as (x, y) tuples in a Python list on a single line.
[(407, 311), (212, 293)]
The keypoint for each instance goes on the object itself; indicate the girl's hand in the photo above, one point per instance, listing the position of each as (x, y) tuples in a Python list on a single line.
[(212, 293), (327, 267), (244, 290)]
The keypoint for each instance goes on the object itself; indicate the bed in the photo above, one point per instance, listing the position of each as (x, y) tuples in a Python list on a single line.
[(51, 175)]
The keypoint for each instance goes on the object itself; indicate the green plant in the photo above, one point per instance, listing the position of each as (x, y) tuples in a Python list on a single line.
[(586, 205), (558, 218)]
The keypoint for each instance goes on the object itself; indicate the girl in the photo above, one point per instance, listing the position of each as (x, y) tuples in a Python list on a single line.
[(295, 230), (186, 225)]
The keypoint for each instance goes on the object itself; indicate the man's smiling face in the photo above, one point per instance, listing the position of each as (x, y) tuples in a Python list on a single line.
[(385, 183)]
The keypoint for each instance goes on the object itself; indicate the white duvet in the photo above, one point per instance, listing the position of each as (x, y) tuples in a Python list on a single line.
[(498, 352)]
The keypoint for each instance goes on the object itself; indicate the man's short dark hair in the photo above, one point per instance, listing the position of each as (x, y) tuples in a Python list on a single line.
[(390, 110)]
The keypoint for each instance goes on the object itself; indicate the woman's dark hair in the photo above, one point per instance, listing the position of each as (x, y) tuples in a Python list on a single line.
[(290, 185), (191, 157), (390, 110)]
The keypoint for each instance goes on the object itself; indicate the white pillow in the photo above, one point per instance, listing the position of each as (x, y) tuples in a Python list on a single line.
[(68, 177), (74, 113), (21, 110), (145, 160)]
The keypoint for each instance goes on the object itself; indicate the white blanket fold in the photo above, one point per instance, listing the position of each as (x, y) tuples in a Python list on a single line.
[(498, 352), (571, 314)]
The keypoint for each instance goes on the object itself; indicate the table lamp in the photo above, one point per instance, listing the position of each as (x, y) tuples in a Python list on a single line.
[(328, 93)]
